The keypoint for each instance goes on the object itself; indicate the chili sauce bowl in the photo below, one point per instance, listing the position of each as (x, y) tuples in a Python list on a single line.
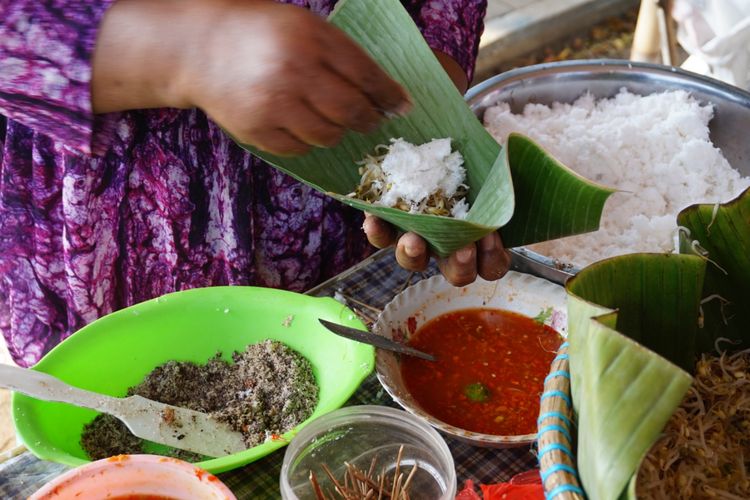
[(522, 294), (135, 476), (117, 351)]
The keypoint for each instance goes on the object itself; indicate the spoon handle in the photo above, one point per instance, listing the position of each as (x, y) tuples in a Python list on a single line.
[(48, 388)]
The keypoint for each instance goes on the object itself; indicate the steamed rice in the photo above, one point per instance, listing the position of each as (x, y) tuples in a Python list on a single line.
[(654, 149)]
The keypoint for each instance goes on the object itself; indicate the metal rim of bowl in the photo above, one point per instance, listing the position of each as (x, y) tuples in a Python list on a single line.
[(602, 66)]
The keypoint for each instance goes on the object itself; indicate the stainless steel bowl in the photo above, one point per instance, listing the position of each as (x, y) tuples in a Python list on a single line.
[(566, 81)]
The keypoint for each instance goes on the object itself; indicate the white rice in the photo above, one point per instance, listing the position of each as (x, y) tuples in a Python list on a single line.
[(654, 149)]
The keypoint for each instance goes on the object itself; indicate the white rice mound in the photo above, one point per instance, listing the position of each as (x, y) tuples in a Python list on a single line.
[(654, 149)]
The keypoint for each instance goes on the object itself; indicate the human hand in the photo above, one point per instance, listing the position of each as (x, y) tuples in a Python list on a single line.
[(486, 258), (275, 76)]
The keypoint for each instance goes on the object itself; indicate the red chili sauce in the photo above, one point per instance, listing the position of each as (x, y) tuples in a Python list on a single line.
[(489, 372)]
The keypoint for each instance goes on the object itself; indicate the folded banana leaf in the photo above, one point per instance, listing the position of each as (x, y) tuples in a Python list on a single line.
[(636, 326), (550, 201)]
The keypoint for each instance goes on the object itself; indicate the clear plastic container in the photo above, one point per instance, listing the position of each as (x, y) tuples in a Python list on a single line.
[(356, 435)]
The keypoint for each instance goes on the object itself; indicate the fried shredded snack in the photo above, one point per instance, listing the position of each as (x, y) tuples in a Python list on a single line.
[(705, 449)]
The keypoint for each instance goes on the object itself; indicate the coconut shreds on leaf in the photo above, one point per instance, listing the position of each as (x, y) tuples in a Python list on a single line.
[(428, 178)]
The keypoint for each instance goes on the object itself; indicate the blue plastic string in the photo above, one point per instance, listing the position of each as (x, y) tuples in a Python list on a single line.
[(554, 414), (558, 468), (553, 447), (560, 357), (563, 488), (557, 373), (558, 394), (554, 469), (558, 428), (564, 345)]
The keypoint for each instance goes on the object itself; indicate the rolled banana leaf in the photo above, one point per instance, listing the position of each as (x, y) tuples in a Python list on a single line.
[(550, 201), (636, 326)]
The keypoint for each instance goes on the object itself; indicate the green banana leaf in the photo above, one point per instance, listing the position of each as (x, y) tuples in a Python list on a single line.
[(551, 201), (722, 233), (636, 326)]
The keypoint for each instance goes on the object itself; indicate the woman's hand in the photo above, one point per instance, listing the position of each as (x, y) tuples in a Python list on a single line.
[(486, 258), (274, 76)]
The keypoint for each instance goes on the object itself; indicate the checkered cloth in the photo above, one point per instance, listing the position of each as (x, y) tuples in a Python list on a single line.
[(374, 282)]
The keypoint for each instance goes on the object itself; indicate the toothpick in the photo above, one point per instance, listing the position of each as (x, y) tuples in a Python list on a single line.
[(409, 478), (316, 487)]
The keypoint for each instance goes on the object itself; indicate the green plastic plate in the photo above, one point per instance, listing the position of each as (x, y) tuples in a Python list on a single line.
[(118, 350)]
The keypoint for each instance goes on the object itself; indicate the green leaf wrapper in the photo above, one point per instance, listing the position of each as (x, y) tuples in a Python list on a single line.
[(637, 324), (551, 200)]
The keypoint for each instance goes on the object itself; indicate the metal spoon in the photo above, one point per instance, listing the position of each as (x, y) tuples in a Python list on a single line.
[(374, 340)]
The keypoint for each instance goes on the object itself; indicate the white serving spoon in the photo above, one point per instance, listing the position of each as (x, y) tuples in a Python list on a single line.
[(157, 422)]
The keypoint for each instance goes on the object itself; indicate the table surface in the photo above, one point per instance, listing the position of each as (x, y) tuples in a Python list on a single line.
[(374, 282)]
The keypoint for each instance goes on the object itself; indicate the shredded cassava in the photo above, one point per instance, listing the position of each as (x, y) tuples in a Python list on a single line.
[(705, 449), (427, 178)]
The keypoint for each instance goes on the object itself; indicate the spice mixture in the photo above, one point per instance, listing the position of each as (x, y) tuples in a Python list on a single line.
[(268, 390)]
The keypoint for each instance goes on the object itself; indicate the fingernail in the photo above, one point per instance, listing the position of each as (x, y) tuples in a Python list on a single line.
[(403, 108), (487, 244), (411, 251), (464, 256)]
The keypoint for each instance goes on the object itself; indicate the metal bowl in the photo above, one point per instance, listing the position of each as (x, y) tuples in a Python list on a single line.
[(568, 80)]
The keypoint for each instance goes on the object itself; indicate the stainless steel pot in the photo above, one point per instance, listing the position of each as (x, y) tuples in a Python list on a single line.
[(566, 81)]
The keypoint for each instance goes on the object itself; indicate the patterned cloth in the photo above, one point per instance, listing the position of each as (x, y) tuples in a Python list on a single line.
[(375, 283), (166, 203)]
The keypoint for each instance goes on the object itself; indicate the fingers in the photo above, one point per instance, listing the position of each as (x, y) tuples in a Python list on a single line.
[(486, 258), (493, 261), (312, 128), (379, 233), (278, 141), (343, 104), (460, 268), (412, 253), (353, 64)]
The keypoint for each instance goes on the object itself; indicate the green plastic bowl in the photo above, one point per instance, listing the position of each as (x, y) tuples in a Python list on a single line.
[(119, 350)]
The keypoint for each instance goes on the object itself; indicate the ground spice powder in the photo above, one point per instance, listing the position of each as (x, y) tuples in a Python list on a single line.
[(268, 390)]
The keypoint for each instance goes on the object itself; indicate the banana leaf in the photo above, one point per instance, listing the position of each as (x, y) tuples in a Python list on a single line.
[(720, 233), (636, 326), (553, 202)]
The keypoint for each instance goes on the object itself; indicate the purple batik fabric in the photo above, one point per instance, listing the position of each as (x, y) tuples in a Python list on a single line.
[(102, 212)]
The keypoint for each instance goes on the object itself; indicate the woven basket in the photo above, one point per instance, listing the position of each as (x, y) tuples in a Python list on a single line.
[(557, 433)]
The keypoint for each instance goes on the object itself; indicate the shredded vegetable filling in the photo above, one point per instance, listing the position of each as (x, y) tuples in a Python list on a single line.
[(705, 449)]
